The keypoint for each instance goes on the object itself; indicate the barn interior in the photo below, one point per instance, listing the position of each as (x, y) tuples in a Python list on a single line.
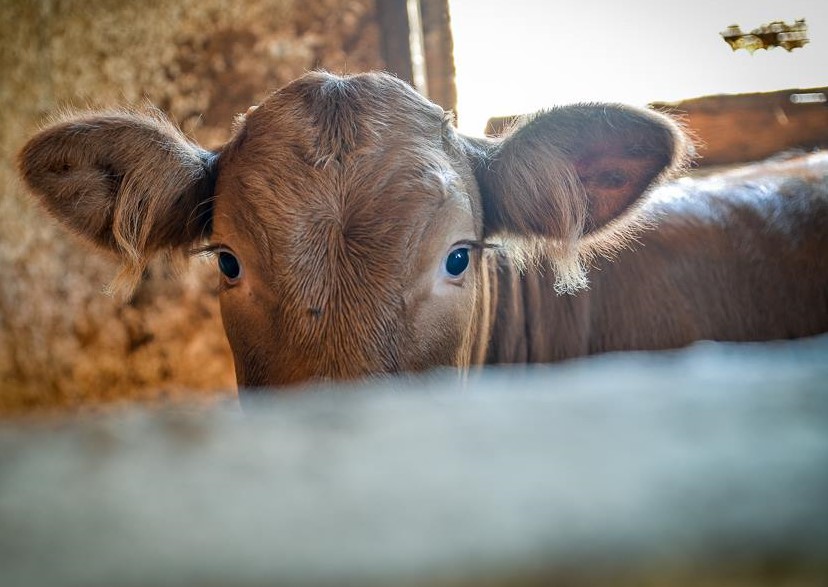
[(124, 458)]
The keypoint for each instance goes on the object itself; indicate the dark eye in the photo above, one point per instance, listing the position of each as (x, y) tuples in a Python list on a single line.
[(457, 261), (229, 265)]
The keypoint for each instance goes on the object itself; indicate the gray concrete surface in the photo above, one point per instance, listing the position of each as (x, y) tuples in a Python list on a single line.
[(702, 467)]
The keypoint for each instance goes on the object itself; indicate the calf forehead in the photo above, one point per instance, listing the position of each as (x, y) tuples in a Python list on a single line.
[(357, 160), (322, 119)]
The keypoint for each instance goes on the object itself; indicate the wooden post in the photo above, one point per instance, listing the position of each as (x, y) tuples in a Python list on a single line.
[(438, 46), (749, 127), (705, 466), (395, 44)]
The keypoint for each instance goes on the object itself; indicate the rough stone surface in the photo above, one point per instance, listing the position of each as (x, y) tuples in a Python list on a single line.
[(702, 467), (62, 343)]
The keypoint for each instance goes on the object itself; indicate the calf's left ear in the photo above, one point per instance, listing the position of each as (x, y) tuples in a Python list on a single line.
[(567, 180), (127, 182)]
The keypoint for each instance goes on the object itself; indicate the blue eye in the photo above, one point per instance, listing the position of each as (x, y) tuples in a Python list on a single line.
[(229, 265), (457, 261)]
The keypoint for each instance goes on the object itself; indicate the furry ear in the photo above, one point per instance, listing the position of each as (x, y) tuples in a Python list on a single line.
[(128, 182), (564, 181)]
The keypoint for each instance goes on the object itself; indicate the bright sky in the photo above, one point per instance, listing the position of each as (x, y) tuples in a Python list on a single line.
[(516, 56)]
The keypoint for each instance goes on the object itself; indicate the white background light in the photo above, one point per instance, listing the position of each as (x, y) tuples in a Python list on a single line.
[(518, 56)]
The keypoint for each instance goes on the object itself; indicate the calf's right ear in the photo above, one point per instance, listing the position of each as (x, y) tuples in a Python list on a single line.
[(127, 182), (566, 184)]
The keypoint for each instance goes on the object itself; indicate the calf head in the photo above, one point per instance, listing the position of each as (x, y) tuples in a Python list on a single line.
[(351, 224)]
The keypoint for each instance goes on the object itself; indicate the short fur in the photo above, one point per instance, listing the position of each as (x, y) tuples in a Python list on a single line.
[(127, 180), (740, 256)]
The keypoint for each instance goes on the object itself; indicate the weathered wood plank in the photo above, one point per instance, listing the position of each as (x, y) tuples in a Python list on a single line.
[(744, 127), (708, 466), (749, 127), (395, 45), (439, 53)]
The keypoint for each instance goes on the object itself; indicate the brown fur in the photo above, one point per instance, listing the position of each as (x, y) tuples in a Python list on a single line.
[(738, 256), (337, 224), (128, 181), (342, 197)]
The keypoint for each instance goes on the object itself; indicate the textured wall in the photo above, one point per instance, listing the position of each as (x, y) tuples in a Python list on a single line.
[(62, 342)]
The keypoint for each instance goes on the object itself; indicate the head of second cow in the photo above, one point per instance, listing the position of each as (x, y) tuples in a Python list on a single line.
[(351, 224)]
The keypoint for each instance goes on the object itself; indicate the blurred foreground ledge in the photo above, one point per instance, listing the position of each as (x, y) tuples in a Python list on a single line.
[(702, 466)]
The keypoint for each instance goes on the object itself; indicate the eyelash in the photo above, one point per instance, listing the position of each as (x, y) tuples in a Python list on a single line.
[(211, 250), (206, 250), (475, 245)]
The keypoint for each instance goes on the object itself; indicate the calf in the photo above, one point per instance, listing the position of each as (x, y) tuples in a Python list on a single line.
[(357, 233)]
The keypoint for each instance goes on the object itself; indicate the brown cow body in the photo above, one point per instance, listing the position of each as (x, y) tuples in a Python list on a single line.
[(741, 255), (357, 233)]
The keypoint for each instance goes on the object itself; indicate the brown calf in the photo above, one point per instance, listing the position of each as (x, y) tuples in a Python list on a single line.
[(357, 233)]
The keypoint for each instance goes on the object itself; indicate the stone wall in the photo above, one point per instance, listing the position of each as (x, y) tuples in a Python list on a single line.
[(63, 343)]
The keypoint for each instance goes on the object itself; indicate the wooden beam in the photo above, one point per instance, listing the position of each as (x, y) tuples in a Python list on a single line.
[(395, 43), (742, 127), (749, 127), (438, 46), (705, 466)]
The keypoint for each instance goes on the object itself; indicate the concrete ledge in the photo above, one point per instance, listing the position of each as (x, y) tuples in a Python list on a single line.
[(707, 466)]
